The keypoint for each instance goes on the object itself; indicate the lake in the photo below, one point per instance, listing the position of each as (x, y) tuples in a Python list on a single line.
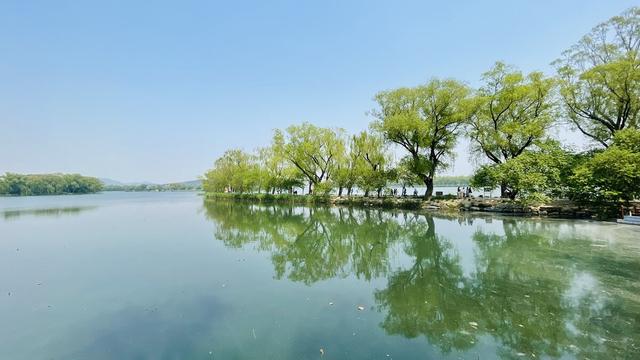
[(166, 276)]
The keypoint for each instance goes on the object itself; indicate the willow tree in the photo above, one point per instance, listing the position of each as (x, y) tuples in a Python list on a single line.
[(234, 171), (425, 121), (346, 174), (512, 114), (600, 78), (372, 167), (312, 150)]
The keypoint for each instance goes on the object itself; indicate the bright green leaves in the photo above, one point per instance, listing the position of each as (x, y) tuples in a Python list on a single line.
[(235, 171), (534, 175), (613, 174), (425, 121), (314, 151), (600, 78), (512, 113)]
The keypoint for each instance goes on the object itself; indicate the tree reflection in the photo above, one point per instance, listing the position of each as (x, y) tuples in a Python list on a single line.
[(429, 297), (310, 244), (537, 288)]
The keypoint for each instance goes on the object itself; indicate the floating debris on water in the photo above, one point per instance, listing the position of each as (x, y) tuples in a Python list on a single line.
[(360, 307), (321, 352), (330, 302), (473, 324)]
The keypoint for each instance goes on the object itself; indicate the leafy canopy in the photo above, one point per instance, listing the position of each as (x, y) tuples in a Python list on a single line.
[(600, 78)]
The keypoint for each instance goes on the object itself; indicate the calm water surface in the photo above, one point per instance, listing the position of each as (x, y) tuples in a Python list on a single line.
[(165, 276)]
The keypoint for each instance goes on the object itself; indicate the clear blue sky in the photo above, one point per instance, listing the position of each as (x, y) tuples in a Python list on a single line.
[(155, 91)]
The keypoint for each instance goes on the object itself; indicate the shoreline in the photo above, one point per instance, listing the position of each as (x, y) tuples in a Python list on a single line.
[(562, 209)]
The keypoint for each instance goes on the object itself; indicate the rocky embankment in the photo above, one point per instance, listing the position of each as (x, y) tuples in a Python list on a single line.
[(560, 209)]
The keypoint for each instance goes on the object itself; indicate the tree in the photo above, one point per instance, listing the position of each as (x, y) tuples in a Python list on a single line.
[(600, 78), (535, 175), (277, 172), (425, 121), (372, 167), (312, 150), (611, 175), (234, 171), (48, 184), (346, 174), (512, 114)]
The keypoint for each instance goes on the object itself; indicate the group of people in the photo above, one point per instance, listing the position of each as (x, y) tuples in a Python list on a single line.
[(394, 192), (464, 192)]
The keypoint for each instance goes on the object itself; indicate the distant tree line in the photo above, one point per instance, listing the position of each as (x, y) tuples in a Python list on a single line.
[(154, 187), (48, 184), (509, 120), (446, 180)]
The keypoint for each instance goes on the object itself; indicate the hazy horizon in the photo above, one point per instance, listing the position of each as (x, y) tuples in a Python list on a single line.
[(136, 93)]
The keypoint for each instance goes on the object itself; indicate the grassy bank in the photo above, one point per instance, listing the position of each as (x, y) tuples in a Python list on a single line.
[(272, 199), (409, 203)]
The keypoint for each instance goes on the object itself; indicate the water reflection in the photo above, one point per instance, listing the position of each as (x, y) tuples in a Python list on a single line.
[(52, 212), (536, 288)]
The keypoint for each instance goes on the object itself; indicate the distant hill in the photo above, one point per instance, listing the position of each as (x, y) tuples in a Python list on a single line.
[(109, 182), (194, 183)]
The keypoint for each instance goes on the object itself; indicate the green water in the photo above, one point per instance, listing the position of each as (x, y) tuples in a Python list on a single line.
[(164, 276)]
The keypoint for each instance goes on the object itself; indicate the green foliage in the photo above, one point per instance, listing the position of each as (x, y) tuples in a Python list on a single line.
[(600, 78), (312, 150), (48, 184), (372, 166), (324, 188), (533, 176), (485, 176), (154, 187), (278, 174), (512, 113), (235, 171), (611, 175), (425, 121)]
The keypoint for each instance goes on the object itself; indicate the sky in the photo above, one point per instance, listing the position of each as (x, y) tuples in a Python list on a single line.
[(156, 91)]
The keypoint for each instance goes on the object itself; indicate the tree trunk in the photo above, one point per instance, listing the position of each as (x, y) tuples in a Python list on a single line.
[(366, 193), (379, 191), (504, 193), (428, 182), (310, 187), (349, 190), (340, 191)]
